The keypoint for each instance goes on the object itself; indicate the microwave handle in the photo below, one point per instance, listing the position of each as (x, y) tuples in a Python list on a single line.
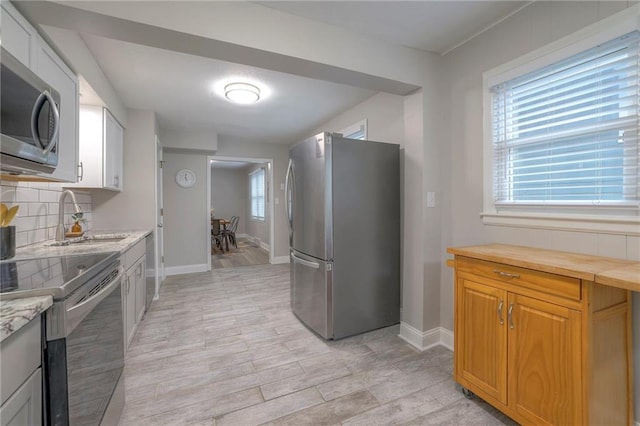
[(35, 113)]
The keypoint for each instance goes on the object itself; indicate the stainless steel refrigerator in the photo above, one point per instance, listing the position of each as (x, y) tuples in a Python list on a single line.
[(343, 209)]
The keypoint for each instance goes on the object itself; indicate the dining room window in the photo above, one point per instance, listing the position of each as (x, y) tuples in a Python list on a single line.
[(257, 189), (567, 134)]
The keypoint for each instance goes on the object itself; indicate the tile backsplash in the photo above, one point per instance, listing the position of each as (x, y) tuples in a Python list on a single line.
[(38, 214)]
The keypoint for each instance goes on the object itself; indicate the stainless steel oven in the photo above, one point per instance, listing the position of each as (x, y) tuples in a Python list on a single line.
[(84, 345), (30, 119)]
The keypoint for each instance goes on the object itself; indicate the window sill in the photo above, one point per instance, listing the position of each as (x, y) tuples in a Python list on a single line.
[(620, 225)]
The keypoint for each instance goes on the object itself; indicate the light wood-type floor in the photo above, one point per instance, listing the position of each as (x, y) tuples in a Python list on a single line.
[(247, 254), (223, 348)]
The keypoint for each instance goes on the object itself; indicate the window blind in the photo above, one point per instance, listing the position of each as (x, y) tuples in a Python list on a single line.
[(257, 194), (568, 133)]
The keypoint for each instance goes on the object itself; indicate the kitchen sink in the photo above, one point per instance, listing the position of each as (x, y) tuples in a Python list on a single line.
[(92, 240), (98, 240)]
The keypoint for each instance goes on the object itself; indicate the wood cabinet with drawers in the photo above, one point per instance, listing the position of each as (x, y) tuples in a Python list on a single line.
[(538, 339)]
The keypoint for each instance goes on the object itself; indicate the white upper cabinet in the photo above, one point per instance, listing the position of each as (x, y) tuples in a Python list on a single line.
[(52, 70), (18, 36), (101, 138), (113, 140), (22, 40)]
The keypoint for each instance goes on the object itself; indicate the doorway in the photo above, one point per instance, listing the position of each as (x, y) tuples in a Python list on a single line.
[(242, 187)]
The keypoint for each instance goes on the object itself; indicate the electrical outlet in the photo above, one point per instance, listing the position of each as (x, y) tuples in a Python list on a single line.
[(431, 199)]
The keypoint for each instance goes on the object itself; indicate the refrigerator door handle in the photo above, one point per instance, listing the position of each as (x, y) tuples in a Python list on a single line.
[(314, 265), (289, 199)]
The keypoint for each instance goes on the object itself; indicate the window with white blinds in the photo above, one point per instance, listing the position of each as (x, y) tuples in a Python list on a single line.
[(257, 194), (568, 134)]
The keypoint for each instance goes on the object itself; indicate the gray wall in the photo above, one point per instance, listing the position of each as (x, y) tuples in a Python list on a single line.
[(533, 27), (385, 118), (255, 228), (186, 225), (279, 153), (134, 207), (229, 194)]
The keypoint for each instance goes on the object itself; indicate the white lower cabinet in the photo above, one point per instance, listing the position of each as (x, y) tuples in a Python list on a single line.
[(21, 376), (134, 286), (24, 407)]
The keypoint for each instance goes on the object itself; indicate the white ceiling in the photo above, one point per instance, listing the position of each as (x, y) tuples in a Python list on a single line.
[(434, 26), (178, 86)]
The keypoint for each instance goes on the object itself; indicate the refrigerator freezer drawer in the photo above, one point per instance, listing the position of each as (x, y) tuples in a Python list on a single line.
[(311, 293)]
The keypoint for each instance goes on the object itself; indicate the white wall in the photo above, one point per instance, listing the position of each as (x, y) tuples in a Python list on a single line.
[(134, 207), (538, 24), (229, 194)]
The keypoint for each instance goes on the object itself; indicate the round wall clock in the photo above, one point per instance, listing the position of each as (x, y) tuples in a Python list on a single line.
[(186, 178)]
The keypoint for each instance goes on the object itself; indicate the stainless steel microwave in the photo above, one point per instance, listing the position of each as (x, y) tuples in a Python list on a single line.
[(30, 119)]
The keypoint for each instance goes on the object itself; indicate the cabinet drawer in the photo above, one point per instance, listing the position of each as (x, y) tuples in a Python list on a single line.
[(557, 285), (132, 255)]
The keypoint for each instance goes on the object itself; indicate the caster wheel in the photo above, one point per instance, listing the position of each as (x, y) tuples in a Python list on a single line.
[(467, 393)]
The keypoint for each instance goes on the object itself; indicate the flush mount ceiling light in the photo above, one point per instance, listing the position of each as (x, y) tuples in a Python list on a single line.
[(242, 93)]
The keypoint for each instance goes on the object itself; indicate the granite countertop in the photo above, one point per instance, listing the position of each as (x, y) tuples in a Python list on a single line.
[(16, 313), (46, 249)]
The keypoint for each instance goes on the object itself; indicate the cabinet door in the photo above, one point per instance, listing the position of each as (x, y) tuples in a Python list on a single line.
[(24, 407), (18, 37), (141, 288), (113, 139), (129, 307), (52, 70), (545, 378), (481, 338)]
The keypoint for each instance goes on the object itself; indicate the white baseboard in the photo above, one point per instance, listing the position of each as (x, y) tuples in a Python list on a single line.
[(280, 259), (185, 269), (424, 340), (242, 236), (258, 241)]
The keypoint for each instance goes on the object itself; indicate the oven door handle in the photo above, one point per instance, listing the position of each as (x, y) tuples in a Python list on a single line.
[(77, 313)]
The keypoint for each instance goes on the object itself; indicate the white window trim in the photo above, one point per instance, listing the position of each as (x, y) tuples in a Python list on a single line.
[(251, 216), (362, 124), (625, 221)]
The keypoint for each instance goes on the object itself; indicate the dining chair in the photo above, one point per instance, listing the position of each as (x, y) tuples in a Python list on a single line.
[(230, 232), (217, 236)]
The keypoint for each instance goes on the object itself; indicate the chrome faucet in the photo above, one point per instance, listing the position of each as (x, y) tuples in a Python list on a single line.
[(60, 228)]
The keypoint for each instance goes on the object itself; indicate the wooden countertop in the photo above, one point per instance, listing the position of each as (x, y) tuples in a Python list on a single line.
[(626, 277), (604, 270)]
